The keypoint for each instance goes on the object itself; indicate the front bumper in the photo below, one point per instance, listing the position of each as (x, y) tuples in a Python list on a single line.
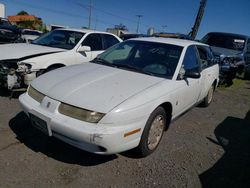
[(95, 138), (9, 80), (16, 80)]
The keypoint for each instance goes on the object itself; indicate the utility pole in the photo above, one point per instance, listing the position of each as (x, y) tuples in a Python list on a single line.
[(90, 13), (198, 19), (163, 28), (138, 22)]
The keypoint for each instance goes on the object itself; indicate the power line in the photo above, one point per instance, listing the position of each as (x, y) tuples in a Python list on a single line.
[(49, 9), (57, 11), (110, 14), (103, 11), (78, 16)]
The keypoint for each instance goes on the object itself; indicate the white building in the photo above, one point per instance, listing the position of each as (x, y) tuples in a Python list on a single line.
[(2, 10)]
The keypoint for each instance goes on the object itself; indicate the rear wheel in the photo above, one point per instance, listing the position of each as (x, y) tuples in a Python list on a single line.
[(53, 68), (153, 132), (208, 99)]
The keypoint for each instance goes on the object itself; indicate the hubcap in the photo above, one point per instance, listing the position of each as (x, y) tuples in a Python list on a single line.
[(210, 94), (155, 132)]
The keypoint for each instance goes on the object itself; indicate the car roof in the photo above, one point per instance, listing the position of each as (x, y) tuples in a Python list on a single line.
[(26, 29), (174, 41), (83, 30)]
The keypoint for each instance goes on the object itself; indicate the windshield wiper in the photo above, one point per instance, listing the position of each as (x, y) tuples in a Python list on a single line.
[(127, 66), (130, 67), (102, 62), (41, 44)]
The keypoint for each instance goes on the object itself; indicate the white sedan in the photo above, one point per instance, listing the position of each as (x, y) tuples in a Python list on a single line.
[(126, 97), (22, 63)]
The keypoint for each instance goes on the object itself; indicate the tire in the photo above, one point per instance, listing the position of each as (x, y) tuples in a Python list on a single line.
[(152, 132), (51, 68), (247, 73), (209, 98), (43, 71)]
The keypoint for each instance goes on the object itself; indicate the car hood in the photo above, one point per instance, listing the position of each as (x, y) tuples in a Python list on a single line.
[(24, 51), (94, 87), (224, 51)]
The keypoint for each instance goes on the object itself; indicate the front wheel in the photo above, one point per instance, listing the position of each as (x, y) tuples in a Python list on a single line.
[(153, 132)]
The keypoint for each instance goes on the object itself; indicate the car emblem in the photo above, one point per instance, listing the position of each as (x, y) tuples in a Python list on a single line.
[(48, 105)]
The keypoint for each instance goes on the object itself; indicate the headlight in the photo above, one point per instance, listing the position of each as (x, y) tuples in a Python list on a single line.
[(80, 113), (36, 95), (232, 60), (24, 67)]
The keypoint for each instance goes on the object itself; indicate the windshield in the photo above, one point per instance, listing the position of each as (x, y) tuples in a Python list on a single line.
[(156, 59), (228, 41), (60, 39)]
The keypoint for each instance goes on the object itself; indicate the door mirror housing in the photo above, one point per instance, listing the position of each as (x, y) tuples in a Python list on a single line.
[(84, 49), (192, 74)]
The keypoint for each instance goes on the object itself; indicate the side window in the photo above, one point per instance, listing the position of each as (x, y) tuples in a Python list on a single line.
[(205, 58), (190, 61), (94, 41), (109, 40)]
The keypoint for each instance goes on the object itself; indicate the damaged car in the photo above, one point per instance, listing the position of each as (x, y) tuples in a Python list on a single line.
[(9, 33), (232, 52), (21, 63), (126, 97)]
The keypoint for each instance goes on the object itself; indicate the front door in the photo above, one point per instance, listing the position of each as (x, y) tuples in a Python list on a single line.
[(189, 88)]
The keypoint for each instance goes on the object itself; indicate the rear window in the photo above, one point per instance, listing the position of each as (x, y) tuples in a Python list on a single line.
[(232, 42)]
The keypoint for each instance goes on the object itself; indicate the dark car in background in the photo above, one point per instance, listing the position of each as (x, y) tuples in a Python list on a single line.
[(8, 33), (232, 52)]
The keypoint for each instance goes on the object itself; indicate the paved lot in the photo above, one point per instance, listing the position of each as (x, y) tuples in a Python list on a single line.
[(206, 147)]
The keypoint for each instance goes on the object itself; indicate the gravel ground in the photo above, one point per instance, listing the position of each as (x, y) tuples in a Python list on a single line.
[(206, 147)]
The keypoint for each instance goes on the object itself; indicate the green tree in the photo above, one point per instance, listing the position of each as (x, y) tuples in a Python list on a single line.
[(31, 24), (121, 27), (22, 13)]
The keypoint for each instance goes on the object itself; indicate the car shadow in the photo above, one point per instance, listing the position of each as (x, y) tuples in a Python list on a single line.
[(52, 147), (233, 168), (4, 92)]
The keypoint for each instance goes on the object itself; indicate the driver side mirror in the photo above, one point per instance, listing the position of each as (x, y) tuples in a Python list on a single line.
[(188, 73), (192, 74), (84, 49)]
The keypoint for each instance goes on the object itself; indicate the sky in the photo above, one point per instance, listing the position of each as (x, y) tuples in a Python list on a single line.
[(163, 15)]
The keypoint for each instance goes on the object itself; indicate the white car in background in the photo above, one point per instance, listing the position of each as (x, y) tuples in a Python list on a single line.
[(21, 63), (28, 35), (124, 98)]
